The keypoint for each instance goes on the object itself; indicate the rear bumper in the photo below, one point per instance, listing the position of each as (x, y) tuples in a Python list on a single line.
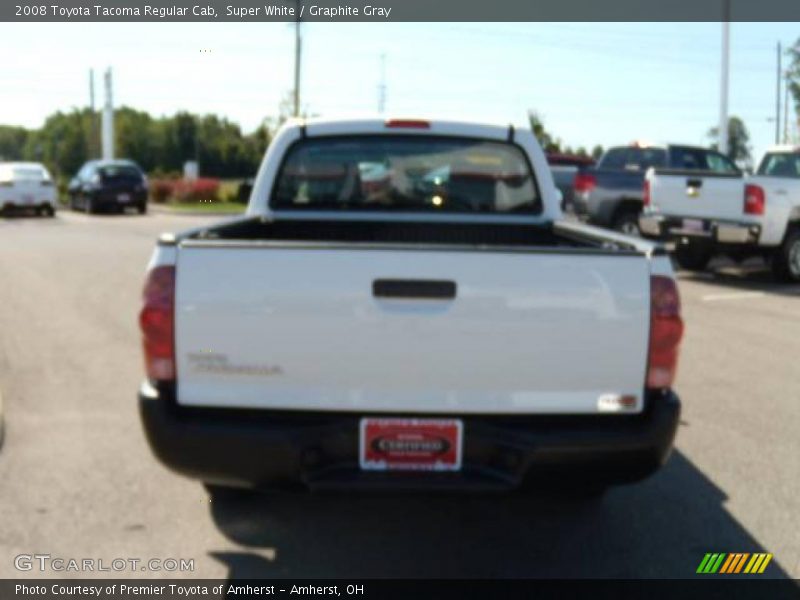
[(112, 198), (319, 450), (23, 204), (665, 228)]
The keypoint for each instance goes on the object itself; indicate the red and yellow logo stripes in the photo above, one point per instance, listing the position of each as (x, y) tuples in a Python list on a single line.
[(736, 562)]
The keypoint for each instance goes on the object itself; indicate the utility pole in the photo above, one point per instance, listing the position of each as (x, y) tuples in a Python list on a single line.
[(786, 111), (92, 118), (778, 99), (382, 86), (723, 102), (297, 57), (108, 119)]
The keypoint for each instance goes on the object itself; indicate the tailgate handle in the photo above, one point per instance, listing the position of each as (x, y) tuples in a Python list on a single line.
[(695, 183), (429, 289)]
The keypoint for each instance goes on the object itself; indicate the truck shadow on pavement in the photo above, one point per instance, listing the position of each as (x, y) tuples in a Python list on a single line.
[(659, 528), (751, 276)]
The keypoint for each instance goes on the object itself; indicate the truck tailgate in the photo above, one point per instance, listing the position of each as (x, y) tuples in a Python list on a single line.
[(409, 330), (697, 195)]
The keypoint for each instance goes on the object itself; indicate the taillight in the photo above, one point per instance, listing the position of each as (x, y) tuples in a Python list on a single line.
[(646, 193), (584, 182), (754, 200), (666, 330), (157, 322), (408, 124)]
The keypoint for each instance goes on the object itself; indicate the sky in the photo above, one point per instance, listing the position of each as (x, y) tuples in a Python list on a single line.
[(591, 83)]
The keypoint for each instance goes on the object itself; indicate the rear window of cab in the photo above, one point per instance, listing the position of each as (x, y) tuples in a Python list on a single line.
[(23, 173), (406, 173), (780, 164), (632, 158)]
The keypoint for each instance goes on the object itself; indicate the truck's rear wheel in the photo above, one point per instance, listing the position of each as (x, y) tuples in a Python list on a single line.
[(627, 223), (692, 257), (786, 260)]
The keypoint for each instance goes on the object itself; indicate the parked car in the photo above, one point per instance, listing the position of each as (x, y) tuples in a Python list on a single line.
[(610, 195), (446, 336), (108, 184), (27, 185), (565, 167), (720, 211)]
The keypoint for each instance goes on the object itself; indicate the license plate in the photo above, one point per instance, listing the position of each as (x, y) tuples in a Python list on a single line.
[(410, 444), (693, 225), (27, 198), (124, 197)]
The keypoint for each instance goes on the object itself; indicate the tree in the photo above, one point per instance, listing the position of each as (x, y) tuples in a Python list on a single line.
[(597, 152), (793, 74), (546, 140), (738, 139), (12, 142), (62, 143), (136, 137), (160, 145)]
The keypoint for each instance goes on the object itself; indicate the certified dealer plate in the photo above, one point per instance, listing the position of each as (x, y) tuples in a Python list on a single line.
[(410, 444)]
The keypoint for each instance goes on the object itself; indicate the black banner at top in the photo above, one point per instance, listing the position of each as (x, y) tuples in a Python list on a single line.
[(397, 10)]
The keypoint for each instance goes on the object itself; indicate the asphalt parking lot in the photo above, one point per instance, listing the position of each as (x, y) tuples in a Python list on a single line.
[(78, 480)]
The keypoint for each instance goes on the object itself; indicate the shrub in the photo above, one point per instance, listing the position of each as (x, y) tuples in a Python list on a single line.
[(161, 190), (203, 189)]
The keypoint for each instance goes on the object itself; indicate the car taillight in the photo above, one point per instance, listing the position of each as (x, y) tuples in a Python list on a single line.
[(646, 193), (666, 330), (157, 322), (584, 182), (754, 200), (407, 124)]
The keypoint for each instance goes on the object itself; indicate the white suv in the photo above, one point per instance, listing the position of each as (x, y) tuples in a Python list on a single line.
[(27, 185)]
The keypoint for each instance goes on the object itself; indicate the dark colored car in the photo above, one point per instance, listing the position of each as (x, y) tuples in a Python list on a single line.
[(564, 168), (108, 185)]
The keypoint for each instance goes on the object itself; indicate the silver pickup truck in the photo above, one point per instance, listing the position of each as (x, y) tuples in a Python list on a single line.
[(403, 307)]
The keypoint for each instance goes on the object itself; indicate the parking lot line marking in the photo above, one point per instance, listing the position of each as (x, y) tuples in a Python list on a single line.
[(732, 296)]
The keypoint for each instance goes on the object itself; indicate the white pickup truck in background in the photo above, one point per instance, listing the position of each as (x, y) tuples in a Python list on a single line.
[(720, 211), (402, 306)]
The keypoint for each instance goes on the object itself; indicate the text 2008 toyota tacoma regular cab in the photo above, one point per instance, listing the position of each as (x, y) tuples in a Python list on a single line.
[(402, 306)]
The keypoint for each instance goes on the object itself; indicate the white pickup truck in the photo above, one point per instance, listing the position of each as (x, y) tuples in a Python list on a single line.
[(719, 211), (402, 306)]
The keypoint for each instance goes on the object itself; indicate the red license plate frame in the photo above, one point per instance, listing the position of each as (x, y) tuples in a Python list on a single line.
[(410, 444)]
